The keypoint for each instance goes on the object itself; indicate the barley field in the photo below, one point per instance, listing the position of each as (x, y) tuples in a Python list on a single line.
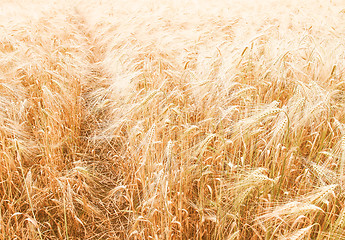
[(146, 119)]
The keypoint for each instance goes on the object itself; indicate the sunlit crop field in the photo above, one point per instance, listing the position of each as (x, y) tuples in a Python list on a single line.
[(145, 119)]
